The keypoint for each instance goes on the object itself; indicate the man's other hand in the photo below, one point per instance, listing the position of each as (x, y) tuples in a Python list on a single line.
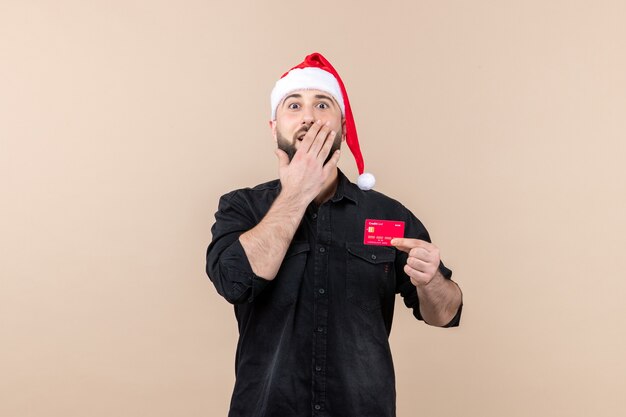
[(306, 173), (423, 261)]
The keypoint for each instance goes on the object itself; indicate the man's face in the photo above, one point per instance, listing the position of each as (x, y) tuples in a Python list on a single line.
[(297, 112)]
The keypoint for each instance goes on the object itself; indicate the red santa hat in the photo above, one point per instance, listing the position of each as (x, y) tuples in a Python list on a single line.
[(316, 73)]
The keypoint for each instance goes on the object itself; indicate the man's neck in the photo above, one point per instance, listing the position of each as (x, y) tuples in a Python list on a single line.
[(328, 189)]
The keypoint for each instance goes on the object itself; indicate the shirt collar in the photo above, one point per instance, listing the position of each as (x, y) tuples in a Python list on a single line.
[(345, 188)]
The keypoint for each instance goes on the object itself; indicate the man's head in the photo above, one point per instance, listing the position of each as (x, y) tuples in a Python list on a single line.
[(297, 112), (311, 91)]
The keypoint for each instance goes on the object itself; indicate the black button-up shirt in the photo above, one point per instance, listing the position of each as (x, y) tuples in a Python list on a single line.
[(314, 340)]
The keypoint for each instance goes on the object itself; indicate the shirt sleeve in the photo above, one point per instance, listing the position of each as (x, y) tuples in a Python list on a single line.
[(227, 264), (414, 229)]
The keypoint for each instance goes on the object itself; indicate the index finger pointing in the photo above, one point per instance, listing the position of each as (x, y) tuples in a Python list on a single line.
[(406, 244)]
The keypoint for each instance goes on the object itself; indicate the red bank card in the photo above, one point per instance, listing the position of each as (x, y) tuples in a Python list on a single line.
[(380, 232)]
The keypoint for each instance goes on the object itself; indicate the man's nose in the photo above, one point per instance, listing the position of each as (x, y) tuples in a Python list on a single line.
[(307, 116)]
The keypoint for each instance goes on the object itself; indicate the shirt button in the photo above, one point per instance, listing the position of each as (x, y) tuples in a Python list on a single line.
[(320, 329), (322, 291), (318, 368), (314, 216), (373, 256), (322, 249), (318, 407)]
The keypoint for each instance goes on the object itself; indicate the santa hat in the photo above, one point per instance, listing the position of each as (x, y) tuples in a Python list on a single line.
[(316, 73)]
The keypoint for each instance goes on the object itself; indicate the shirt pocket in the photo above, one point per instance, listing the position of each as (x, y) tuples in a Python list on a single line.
[(286, 285), (369, 272)]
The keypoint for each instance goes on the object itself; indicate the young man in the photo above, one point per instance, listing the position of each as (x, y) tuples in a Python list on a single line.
[(313, 301)]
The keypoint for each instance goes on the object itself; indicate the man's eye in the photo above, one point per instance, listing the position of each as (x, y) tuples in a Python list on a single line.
[(293, 106), (323, 105)]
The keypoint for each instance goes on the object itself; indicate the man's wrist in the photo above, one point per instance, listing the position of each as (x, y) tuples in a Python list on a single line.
[(293, 199)]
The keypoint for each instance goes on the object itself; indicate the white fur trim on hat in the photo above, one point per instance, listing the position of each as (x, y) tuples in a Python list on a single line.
[(309, 78)]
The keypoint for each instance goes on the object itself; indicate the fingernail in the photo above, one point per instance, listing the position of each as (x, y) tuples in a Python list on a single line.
[(328, 123), (332, 132)]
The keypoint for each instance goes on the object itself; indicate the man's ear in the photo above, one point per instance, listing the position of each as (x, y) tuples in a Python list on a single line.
[(343, 129), (273, 129)]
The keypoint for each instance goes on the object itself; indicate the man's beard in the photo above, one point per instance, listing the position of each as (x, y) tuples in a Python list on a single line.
[(290, 147)]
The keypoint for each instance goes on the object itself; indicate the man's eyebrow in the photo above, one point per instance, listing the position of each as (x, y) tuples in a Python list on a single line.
[(333, 102), (296, 95), (318, 96)]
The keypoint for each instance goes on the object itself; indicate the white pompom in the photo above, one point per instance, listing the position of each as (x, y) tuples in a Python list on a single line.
[(366, 181)]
